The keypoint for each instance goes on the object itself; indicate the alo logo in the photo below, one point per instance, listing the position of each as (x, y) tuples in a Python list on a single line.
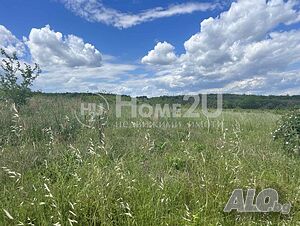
[(266, 201)]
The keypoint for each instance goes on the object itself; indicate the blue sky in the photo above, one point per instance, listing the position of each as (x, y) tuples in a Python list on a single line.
[(130, 44), (242, 48)]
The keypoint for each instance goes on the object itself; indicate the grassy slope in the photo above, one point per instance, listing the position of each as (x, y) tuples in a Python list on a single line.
[(138, 176)]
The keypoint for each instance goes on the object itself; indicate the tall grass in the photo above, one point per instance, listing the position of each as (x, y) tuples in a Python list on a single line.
[(54, 171)]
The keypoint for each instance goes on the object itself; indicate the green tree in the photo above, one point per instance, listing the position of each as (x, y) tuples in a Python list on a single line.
[(16, 79)]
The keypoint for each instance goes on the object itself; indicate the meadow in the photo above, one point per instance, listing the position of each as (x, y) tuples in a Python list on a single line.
[(55, 171)]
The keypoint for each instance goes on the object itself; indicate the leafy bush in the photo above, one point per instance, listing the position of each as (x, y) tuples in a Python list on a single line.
[(15, 79), (289, 131)]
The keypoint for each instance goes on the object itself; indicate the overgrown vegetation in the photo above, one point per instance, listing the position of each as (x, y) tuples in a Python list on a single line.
[(54, 171), (16, 79), (289, 131)]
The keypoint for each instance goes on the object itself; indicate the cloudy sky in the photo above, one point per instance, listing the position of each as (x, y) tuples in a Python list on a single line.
[(151, 47)]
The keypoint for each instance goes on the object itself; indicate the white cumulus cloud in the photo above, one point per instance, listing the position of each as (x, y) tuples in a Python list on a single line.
[(242, 47), (10, 43), (163, 53), (50, 48), (68, 63)]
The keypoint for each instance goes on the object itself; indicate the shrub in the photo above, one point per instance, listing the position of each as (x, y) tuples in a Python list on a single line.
[(15, 79), (289, 131)]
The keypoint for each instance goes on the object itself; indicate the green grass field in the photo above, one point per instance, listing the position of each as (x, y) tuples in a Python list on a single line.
[(54, 171)]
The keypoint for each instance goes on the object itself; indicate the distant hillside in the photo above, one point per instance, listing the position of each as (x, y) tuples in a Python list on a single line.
[(230, 101)]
